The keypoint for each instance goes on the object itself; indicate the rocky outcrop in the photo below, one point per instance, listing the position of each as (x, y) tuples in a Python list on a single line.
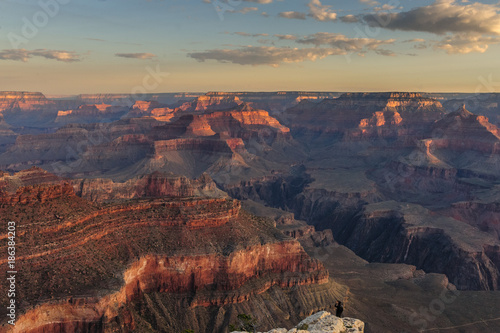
[(275, 102), (365, 115), (154, 185), (463, 131), (211, 102), (32, 186), (152, 109), (486, 104), (27, 109), (323, 322), (88, 114), (26, 101)]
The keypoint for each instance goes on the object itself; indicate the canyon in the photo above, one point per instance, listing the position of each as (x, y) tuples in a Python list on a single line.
[(182, 211)]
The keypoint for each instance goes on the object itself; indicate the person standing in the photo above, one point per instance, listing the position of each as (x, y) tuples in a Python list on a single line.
[(339, 309)]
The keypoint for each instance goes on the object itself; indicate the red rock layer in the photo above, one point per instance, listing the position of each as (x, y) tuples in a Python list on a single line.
[(84, 262), (222, 275)]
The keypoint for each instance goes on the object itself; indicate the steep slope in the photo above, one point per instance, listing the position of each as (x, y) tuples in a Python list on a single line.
[(157, 264), (7, 135)]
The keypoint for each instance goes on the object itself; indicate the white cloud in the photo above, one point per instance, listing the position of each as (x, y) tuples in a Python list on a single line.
[(24, 55), (466, 43), (321, 12)]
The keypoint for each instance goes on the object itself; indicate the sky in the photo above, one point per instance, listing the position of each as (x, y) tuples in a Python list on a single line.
[(62, 47)]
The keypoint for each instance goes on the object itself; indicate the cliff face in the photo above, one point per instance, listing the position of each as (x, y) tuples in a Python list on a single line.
[(87, 114), (32, 186), (365, 115), (59, 150), (24, 101), (155, 185), (27, 109), (211, 103), (107, 260), (463, 131), (483, 215), (152, 109), (386, 231)]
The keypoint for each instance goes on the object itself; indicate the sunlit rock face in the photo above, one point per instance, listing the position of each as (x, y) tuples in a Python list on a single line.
[(107, 256), (361, 116), (323, 322), (93, 113), (26, 101)]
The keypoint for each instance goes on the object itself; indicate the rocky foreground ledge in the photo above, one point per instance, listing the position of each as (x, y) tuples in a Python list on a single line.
[(323, 322)]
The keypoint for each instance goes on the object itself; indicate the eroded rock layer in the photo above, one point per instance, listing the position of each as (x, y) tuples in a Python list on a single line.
[(88, 266)]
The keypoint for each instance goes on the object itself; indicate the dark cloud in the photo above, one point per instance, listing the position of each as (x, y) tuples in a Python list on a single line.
[(293, 15), (264, 55), (142, 56), (442, 17)]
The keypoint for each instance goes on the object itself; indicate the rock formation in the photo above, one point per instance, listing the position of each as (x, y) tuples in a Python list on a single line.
[(323, 322), (25, 101), (357, 115), (88, 114), (152, 109), (93, 266)]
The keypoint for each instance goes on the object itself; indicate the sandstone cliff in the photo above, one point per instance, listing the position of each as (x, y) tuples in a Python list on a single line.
[(95, 267), (88, 114), (364, 115)]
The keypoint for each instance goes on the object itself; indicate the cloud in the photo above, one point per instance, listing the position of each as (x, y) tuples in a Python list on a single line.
[(244, 10), (286, 37), (321, 12), (340, 41), (25, 55), (370, 3), (260, 1), (263, 2), (415, 40), (142, 56), (325, 44), (387, 53), (293, 15), (466, 43), (467, 27), (246, 34), (441, 17), (317, 11), (265, 55), (349, 19)]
